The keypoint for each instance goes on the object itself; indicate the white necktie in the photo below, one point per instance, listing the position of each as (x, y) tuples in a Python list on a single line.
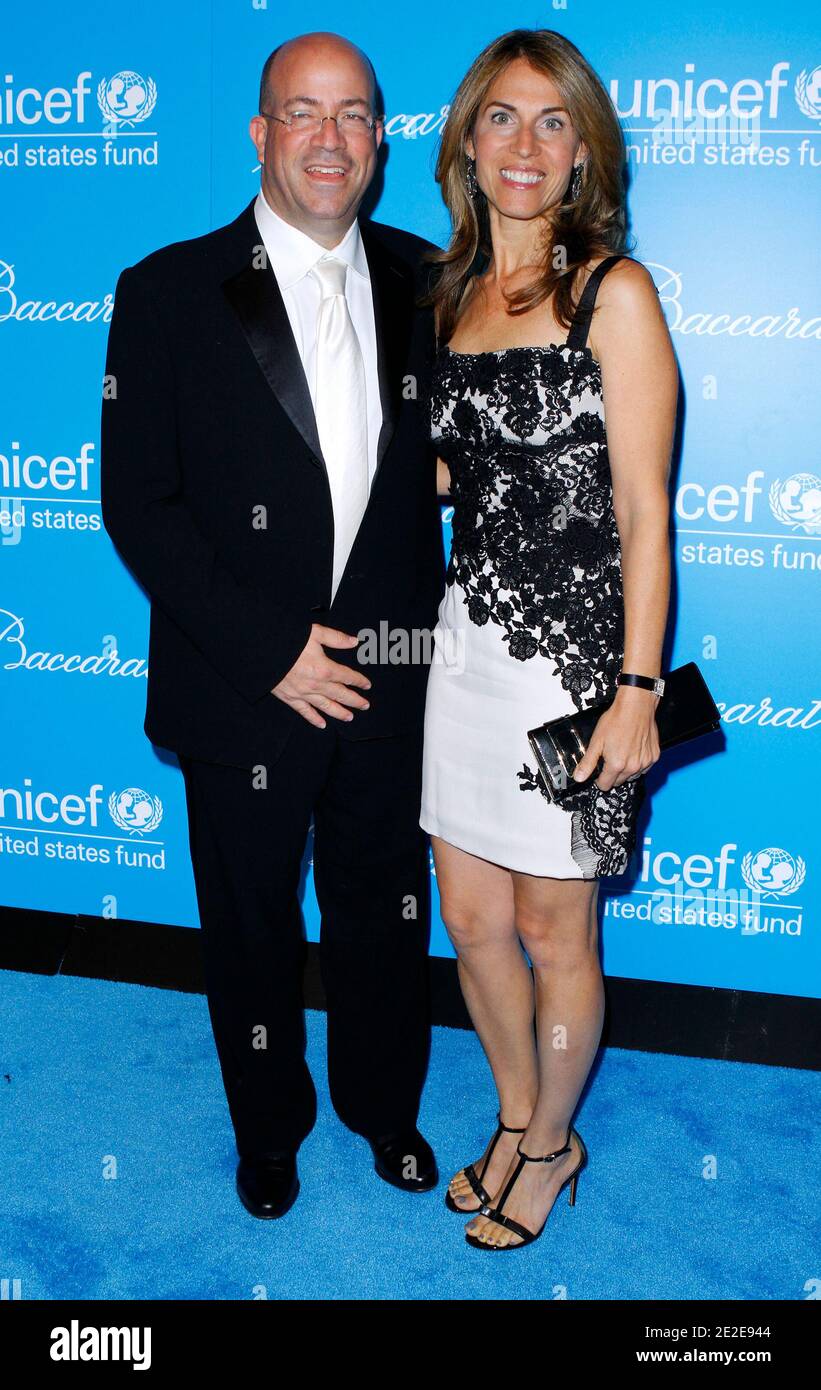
[(340, 406)]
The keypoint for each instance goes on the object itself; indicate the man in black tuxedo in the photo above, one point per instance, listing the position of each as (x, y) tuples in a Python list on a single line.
[(267, 551)]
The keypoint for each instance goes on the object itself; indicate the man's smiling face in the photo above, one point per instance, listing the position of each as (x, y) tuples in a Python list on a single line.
[(316, 179)]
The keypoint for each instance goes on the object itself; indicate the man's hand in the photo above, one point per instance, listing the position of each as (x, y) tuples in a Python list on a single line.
[(315, 682)]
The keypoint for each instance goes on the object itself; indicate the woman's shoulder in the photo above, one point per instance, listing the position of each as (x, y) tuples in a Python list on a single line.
[(626, 283), (625, 291), (627, 302)]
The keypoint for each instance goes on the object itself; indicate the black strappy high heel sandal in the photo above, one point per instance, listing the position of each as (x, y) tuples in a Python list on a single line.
[(475, 1179), (495, 1213)]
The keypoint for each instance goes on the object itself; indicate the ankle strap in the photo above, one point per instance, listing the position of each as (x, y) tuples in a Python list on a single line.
[(508, 1129), (546, 1158)]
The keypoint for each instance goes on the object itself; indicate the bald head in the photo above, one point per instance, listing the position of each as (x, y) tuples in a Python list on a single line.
[(321, 47), (315, 171)]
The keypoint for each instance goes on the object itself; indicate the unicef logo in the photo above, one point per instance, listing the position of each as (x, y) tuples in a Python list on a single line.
[(797, 502), (134, 810), (808, 93), (773, 871), (126, 98)]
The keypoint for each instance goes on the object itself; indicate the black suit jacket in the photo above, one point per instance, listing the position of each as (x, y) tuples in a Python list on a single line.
[(215, 492)]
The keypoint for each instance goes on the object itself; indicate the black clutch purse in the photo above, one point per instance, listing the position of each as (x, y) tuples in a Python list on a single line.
[(685, 710)]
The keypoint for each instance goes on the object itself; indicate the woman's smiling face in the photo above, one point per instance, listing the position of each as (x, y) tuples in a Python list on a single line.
[(524, 143)]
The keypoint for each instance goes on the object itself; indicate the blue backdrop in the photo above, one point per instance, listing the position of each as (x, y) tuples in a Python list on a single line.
[(125, 129)]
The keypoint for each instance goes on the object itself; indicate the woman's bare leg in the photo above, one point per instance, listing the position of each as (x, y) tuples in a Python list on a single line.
[(556, 922), (478, 909)]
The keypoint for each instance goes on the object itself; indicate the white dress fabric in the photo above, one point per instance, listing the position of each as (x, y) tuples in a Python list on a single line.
[(531, 623)]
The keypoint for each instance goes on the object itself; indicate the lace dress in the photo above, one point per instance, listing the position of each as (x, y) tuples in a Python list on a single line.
[(531, 624)]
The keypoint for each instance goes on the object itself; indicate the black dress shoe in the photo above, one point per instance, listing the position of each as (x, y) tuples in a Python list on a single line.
[(268, 1186), (402, 1154)]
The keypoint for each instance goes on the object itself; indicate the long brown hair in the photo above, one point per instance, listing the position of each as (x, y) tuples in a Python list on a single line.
[(591, 225)]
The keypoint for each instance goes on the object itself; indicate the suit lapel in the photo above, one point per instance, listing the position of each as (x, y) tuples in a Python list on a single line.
[(255, 297), (392, 289), (253, 293)]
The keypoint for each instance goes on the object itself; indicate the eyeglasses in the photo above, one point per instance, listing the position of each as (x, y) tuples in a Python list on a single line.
[(307, 123)]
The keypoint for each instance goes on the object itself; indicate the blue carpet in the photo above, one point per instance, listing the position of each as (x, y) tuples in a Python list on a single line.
[(100, 1078)]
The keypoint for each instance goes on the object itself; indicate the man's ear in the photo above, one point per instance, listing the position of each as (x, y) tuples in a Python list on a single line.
[(257, 129)]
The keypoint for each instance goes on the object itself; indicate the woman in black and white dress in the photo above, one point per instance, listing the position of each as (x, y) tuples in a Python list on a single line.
[(553, 400)]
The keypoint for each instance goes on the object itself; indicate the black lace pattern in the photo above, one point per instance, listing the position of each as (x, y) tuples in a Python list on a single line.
[(535, 545)]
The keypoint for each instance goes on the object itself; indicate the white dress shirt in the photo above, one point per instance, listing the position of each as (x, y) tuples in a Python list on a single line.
[(291, 254)]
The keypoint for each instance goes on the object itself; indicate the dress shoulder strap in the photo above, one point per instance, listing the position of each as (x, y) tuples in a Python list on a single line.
[(579, 328)]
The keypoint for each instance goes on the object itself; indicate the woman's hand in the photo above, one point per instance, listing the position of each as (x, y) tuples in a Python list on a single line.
[(626, 736)]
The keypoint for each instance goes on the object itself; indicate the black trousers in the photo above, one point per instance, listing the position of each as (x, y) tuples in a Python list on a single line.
[(370, 861)]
